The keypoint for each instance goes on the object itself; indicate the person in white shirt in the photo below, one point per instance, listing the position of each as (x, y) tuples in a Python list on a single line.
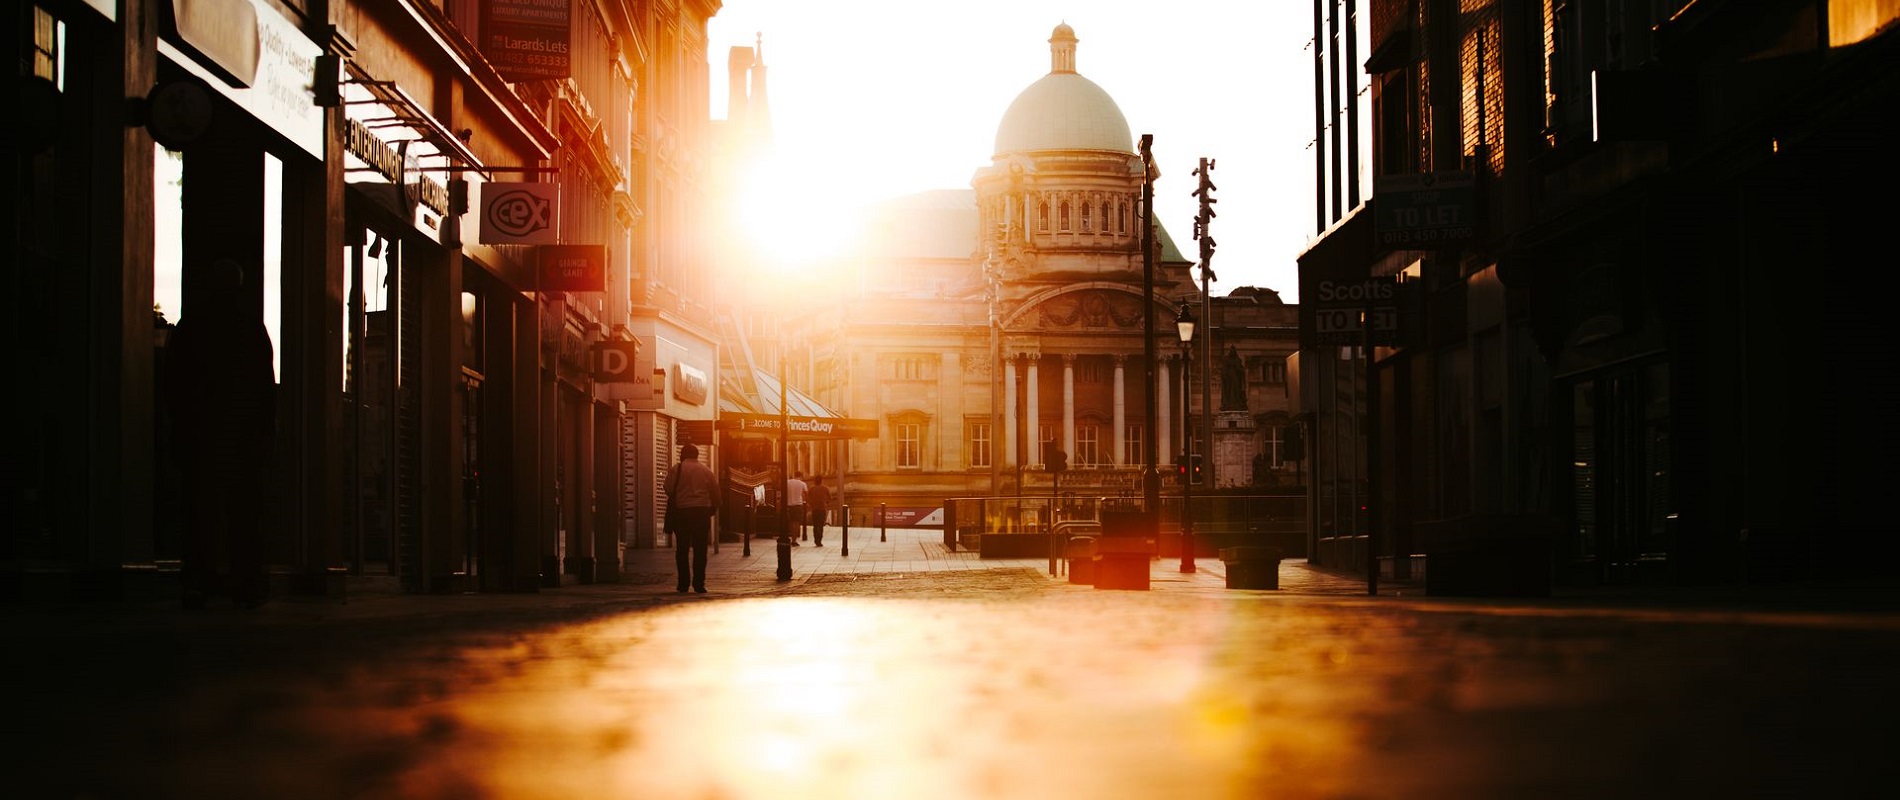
[(795, 506)]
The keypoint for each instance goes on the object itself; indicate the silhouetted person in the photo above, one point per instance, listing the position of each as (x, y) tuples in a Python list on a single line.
[(818, 500), (690, 487), (224, 409)]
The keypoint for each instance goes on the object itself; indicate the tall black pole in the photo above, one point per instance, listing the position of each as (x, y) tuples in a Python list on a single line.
[(1150, 477), (1372, 460), (1187, 455), (784, 473)]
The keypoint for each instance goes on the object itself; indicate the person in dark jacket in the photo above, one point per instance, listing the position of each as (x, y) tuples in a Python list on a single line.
[(690, 488), (818, 504), (222, 393)]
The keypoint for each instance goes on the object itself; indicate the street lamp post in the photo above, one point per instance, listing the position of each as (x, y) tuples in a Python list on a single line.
[(784, 471), (1184, 325), (1150, 466)]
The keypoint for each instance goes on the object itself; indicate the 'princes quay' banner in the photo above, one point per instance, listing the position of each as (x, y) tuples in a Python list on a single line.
[(800, 427)]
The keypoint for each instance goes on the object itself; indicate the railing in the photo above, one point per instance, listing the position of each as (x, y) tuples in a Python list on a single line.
[(1221, 520)]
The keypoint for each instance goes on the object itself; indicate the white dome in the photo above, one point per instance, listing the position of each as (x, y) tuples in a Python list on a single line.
[(1063, 110)]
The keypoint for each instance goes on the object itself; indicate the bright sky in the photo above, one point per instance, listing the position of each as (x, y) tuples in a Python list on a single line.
[(874, 99)]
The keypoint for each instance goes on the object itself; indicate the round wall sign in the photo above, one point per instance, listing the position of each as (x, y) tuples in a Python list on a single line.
[(179, 113)]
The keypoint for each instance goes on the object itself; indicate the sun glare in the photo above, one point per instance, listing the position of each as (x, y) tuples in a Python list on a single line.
[(794, 218)]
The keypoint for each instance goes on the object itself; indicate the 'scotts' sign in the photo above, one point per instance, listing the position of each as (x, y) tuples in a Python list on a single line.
[(573, 268), (519, 213)]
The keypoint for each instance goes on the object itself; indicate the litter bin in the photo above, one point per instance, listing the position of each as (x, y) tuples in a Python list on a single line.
[(1081, 555), (1252, 567)]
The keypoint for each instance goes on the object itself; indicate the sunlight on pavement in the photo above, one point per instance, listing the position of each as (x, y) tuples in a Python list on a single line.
[(847, 698)]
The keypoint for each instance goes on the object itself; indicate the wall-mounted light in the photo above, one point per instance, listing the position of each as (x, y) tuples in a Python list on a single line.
[(470, 304)]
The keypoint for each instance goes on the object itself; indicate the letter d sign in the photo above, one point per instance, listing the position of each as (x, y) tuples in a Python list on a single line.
[(613, 362)]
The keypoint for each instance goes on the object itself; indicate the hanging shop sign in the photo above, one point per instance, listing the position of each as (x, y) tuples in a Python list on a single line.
[(519, 213), (616, 361), (526, 39), (573, 267)]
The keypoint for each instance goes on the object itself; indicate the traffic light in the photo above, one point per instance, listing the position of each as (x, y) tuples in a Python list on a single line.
[(1194, 468), (1181, 470), (1054, 458)]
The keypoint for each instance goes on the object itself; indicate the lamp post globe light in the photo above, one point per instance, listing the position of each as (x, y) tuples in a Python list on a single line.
[(1184, 325)]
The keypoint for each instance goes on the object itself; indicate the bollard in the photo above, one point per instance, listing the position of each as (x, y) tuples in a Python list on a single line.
[(882, 521), (785, 547), (784, 557), (845, 519)]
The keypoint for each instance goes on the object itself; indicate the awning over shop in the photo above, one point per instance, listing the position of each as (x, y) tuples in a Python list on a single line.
[(806, 419), (741, 413)]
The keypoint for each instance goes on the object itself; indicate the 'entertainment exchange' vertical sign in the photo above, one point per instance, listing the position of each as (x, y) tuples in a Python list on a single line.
[(526, 39)]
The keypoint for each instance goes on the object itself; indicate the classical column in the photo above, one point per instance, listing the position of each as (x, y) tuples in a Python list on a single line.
[(1008, 444), (1033, 425), (1121, 414), (1164, 444), (1068, 404)]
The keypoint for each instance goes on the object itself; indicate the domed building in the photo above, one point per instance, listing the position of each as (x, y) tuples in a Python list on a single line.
[(988, 326)]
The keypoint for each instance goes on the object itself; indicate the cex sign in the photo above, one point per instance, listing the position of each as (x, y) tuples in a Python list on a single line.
[(519, 213)]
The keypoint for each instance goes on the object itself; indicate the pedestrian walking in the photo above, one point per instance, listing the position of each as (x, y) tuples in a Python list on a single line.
[(795, 490), (690, 486), (818, 499), (222, 394)]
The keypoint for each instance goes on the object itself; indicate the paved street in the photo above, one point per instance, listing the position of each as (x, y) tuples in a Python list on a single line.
[(909, 671)]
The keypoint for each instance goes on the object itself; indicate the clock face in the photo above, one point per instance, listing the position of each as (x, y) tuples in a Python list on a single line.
[(180, 113)]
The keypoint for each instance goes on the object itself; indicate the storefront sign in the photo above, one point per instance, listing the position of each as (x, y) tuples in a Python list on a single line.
[(526, 39), (519, 213), (799, 427), (689, 383), (219, 34), (395, 164), (256, 57), (573, 268)]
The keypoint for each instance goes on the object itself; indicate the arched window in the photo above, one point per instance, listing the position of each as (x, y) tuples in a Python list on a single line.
[(1063, 218), (1042, 216), (1088, 218), (1122, 226)]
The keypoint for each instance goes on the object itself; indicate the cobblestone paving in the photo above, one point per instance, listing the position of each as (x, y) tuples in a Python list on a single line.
[(952, 678)]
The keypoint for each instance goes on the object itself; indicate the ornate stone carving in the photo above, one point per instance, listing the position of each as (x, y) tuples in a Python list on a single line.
[(1093, 309)]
